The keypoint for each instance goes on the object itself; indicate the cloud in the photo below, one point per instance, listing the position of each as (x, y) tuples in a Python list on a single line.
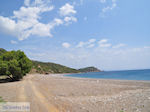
[(57, 21), (119, 46), (102, 41), (107, 8), (7, 25), (13, 42), (66, 45), (88, 44), (25, 22), (91, 45), (26, 2), (66, 10), (91, 40), (105, 45), (69, 20)]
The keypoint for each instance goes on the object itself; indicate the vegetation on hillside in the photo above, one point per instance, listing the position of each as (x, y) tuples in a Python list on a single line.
[(42, 67), (2, 51), (89, 69), (14, 64)]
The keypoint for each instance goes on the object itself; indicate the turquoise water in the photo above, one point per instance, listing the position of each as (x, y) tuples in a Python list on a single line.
[(123, 75)]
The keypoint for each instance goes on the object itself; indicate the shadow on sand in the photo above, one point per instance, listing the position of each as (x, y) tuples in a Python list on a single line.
[(7, 80)]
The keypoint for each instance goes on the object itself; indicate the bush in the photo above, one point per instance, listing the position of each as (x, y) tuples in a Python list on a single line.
[(14, 64), (1, 99)]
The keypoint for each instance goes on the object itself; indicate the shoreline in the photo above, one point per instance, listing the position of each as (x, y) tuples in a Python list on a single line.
[(64, 75)]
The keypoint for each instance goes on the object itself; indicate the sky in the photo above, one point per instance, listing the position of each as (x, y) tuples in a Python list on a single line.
[(108, 34)]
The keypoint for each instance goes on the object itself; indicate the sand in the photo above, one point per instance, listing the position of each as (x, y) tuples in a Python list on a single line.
[(55, 93)]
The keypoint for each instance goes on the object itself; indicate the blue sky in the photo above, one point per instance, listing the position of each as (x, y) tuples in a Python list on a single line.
[(108, 34)]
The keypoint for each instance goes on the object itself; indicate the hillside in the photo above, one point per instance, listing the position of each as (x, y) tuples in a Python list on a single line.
[(89, 69), (42, 67), (46, 68), (2, 51)]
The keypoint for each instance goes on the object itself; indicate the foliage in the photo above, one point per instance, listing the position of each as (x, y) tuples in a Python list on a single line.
[(14, 64), (2, 51), (89, 69), (42, 67), (1, 100)]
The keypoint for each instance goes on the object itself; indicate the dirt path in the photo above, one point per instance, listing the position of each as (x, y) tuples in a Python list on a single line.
[(29, 92)]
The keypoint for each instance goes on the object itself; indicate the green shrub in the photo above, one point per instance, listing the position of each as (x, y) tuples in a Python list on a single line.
[(14, 64), (1, 99)]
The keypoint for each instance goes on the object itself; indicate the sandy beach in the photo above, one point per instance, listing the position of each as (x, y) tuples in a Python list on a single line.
[(55, 93)]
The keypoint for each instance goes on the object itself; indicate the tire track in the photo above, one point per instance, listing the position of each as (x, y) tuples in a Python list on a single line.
[(22, 97), (42, 99)]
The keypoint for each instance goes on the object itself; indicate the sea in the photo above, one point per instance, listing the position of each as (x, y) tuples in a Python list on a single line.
[(121, 75)]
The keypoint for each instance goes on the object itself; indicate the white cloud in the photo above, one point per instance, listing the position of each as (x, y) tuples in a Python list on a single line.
[(66, 45), (13, 42), (26, 2), (102, 41), (41, 29), (107, 8), (7, 25), (67, 9), (88, 44), (69, 20), (57, 21), (119, 46), (92, 40), (105, 45), (26, 21)]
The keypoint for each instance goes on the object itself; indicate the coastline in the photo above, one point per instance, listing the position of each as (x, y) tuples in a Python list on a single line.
[(65, 75)]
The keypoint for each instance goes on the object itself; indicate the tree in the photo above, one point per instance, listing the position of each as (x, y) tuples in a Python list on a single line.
[(14, 64)]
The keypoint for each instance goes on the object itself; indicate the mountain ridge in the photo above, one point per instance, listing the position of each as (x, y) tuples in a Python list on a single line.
[(49, 67)]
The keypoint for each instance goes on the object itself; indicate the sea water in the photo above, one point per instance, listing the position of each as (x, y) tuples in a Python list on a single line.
[(123, 75)]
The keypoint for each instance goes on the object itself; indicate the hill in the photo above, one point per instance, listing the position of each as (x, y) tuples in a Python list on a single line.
[(42, 67), (47, 67), (89, 69)]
